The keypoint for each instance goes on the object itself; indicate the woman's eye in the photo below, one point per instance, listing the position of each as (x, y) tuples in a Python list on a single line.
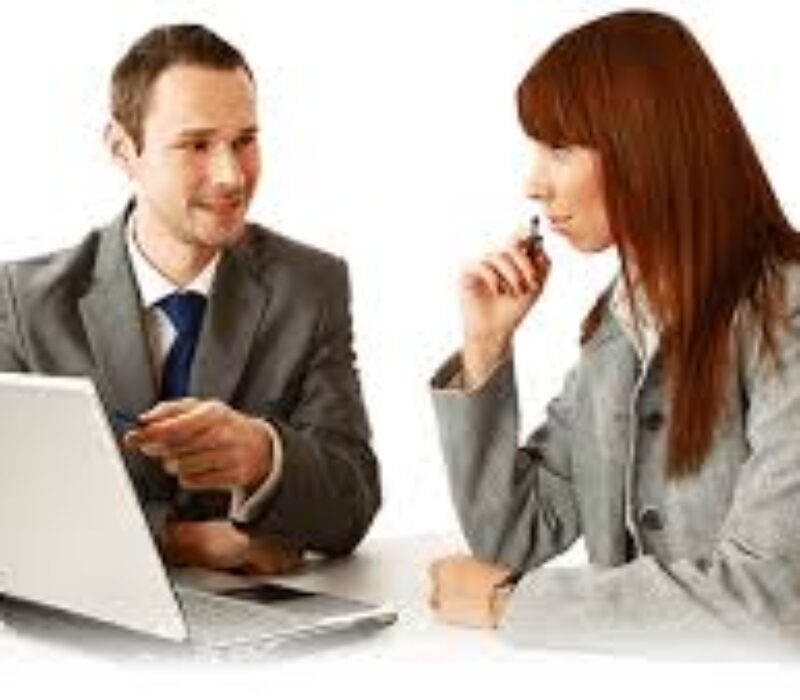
[(561, 152)]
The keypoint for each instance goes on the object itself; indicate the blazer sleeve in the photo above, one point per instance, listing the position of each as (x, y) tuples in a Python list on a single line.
[(329, 489), (10, 355), (516, 505), (749, 583)]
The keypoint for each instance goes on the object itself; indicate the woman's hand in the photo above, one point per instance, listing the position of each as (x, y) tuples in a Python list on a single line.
[(496, 294), (464, 591)]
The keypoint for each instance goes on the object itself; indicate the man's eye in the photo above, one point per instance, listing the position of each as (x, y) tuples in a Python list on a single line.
[(195, 146), (244, 141)]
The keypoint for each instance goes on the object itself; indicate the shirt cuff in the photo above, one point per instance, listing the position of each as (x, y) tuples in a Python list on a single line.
[(244, 509)]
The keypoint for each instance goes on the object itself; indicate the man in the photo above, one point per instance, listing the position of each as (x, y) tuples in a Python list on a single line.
[(229, 345)]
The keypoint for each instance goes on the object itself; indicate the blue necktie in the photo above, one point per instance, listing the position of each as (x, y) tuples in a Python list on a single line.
[(185, 311)]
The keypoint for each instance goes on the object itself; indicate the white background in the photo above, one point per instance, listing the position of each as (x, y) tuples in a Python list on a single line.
[(389, 137)]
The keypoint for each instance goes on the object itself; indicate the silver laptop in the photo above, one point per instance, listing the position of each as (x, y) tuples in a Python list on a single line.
[(74, 538)]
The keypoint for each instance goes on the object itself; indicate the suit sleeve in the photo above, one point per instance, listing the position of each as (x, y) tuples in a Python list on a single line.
[(516, 504), (749, 583), (10, 355), (329, 489)]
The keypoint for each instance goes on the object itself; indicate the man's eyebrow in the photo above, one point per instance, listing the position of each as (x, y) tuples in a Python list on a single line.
[(207, 133), (194, 133)]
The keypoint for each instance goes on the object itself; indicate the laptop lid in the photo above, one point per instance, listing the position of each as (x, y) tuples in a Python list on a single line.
[(72, 533)]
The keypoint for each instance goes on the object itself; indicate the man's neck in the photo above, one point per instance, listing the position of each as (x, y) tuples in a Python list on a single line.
[(179, 261)]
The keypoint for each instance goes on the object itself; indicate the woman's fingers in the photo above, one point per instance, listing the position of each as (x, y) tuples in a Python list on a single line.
[(510, 271)]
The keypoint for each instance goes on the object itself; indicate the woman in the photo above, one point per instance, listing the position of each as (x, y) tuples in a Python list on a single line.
[(674, 449)]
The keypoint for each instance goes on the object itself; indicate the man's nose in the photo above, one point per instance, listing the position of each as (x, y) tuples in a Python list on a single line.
[(225, 169)]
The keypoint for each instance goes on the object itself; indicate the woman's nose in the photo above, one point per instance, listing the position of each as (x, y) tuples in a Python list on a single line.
[(538, 184)]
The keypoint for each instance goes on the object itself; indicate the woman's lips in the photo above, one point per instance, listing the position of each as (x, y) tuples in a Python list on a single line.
[(558, 221)]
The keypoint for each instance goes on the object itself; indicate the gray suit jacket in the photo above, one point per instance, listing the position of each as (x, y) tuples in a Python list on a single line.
[(669, 560), (276, 342)]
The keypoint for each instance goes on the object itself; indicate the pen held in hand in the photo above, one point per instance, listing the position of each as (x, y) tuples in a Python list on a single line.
[(126, 421), (534, 240)]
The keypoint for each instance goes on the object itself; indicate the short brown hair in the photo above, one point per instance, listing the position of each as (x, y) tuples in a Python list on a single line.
[(687, 197), (161, 48)]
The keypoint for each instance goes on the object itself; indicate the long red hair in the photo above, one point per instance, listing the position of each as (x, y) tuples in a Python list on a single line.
[(688, 201)]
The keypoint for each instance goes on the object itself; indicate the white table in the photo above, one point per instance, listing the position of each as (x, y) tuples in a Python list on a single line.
[(415, 652), (392, 571)]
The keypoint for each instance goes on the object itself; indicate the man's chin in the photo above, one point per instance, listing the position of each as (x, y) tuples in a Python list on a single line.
[(220, 234)]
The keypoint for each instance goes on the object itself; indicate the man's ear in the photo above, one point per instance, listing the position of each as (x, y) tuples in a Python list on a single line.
[(121, 146)]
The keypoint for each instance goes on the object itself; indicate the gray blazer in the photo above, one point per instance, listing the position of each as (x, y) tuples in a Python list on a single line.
[(276, 342), (670, 561)]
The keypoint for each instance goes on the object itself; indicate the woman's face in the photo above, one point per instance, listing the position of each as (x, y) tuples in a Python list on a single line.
[(569, 183)]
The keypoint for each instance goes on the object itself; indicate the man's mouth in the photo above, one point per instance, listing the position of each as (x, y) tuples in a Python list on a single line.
[(222, 206)]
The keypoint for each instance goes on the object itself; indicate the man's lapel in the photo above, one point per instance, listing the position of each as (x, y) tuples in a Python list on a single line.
[(236, 306), (114, 326)]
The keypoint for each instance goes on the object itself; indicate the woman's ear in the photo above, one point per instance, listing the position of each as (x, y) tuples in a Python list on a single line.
[(121, 147)]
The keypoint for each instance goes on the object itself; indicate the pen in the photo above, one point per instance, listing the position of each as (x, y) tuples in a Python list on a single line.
[(126, 421), (534, 240)]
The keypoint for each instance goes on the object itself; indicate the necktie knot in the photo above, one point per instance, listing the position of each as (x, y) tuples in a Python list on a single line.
[(185, 312)]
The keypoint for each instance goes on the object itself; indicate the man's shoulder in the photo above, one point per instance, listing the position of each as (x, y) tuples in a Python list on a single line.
[(266, 250), (67, 268), (263, 239)]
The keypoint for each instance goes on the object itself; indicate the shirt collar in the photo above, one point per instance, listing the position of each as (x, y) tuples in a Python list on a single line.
[(635, 318), (154, 286)]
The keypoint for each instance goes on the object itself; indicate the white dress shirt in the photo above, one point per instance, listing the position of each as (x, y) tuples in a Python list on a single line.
[(161, 334), (635, 319)]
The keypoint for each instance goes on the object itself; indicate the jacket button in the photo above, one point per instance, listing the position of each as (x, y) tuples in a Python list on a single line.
[(653, 421), (650, 519)]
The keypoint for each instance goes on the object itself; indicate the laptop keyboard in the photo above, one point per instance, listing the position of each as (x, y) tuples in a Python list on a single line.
[(218, 621)]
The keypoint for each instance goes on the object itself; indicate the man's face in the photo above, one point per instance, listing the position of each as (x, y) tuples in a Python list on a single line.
[(198, 165)]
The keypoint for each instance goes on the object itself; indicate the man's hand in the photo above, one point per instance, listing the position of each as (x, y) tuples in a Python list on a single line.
[(211, 544), (463, 591), (217, 544), (272, 555), (206, 444)]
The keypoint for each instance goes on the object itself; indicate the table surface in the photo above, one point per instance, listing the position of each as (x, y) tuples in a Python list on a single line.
[(392, 572)]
